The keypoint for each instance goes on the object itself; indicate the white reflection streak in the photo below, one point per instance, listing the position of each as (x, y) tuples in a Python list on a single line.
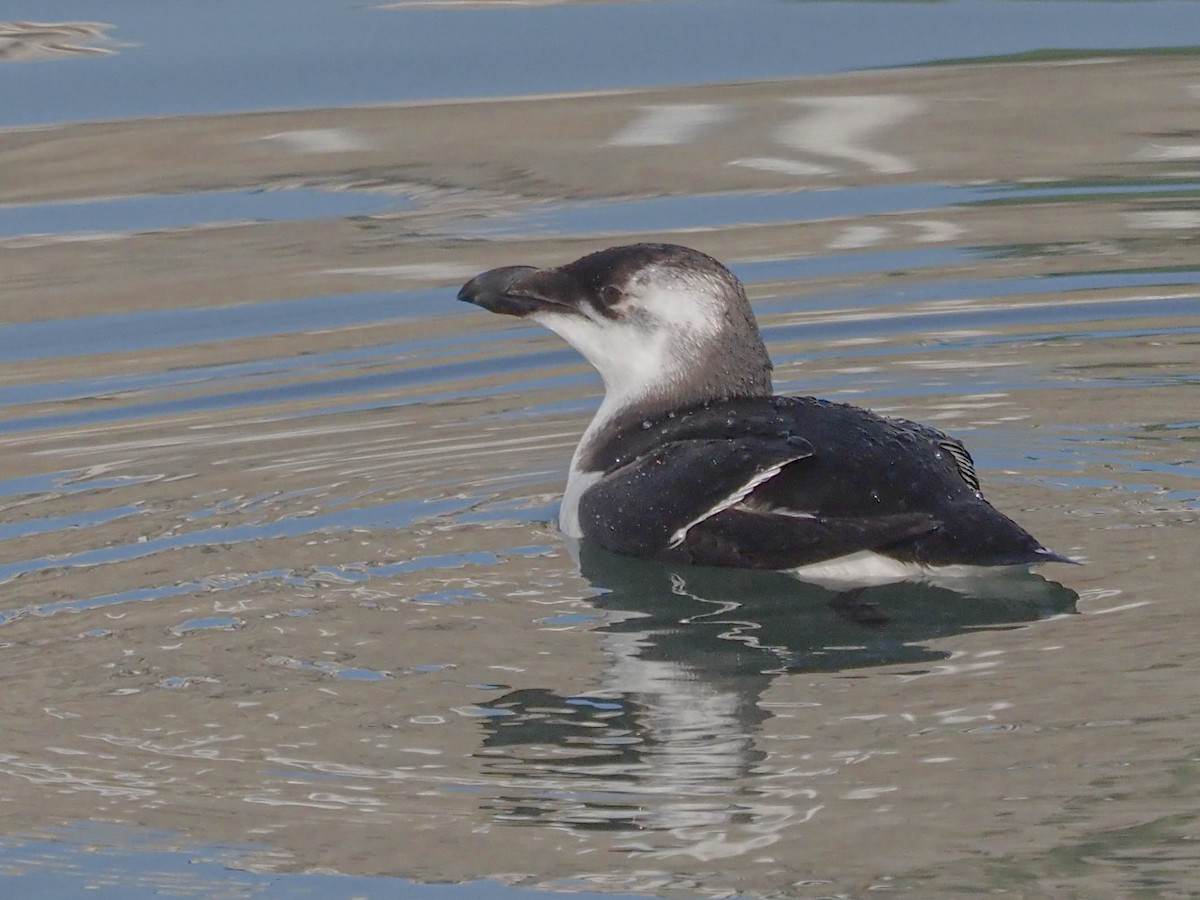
[(443, 271), (187, 748), (1122, 608), (1165, 219), (665, 124), (204, 436), (839, 127), (700, 755), (936, 231), (1172, 152), (855, 237), (940, 307), (782, 166), (1168, 152), (321, 140), (135, 786), (768, 822)]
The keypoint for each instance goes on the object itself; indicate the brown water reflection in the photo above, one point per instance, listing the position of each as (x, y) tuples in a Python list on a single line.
[(289, 579), (31, 41)]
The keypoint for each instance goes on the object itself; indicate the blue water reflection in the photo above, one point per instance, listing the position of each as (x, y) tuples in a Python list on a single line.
[(133, 214), (110, 863), (206, 58)]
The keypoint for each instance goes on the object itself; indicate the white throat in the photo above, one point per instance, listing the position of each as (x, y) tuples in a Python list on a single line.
[(579, 479), (648, 351)]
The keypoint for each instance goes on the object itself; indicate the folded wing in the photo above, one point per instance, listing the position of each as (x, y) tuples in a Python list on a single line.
[(651, 504), (743, 485)]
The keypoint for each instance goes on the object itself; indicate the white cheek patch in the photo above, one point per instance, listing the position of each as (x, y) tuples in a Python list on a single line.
[(681, 304)]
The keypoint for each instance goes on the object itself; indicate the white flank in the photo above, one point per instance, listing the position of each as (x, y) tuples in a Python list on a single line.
[(866, 567)]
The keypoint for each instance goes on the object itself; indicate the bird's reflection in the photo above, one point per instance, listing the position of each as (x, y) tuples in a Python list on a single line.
[(709, 619), (692, 651)]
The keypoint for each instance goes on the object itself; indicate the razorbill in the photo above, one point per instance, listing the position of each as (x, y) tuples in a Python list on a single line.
[(691, 457)]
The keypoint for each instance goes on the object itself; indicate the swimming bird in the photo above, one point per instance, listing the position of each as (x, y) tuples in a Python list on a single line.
[(692, 458)]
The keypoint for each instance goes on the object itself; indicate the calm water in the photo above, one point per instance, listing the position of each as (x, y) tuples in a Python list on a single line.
[(283, 611)]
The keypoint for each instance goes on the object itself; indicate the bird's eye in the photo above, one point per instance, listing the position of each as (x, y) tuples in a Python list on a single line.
[(610, 295)]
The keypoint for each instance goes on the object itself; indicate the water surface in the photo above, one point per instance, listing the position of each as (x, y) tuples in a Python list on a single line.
[(281, 596)]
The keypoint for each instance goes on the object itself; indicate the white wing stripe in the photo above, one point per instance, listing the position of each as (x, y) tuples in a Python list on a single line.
[(733, 499)]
